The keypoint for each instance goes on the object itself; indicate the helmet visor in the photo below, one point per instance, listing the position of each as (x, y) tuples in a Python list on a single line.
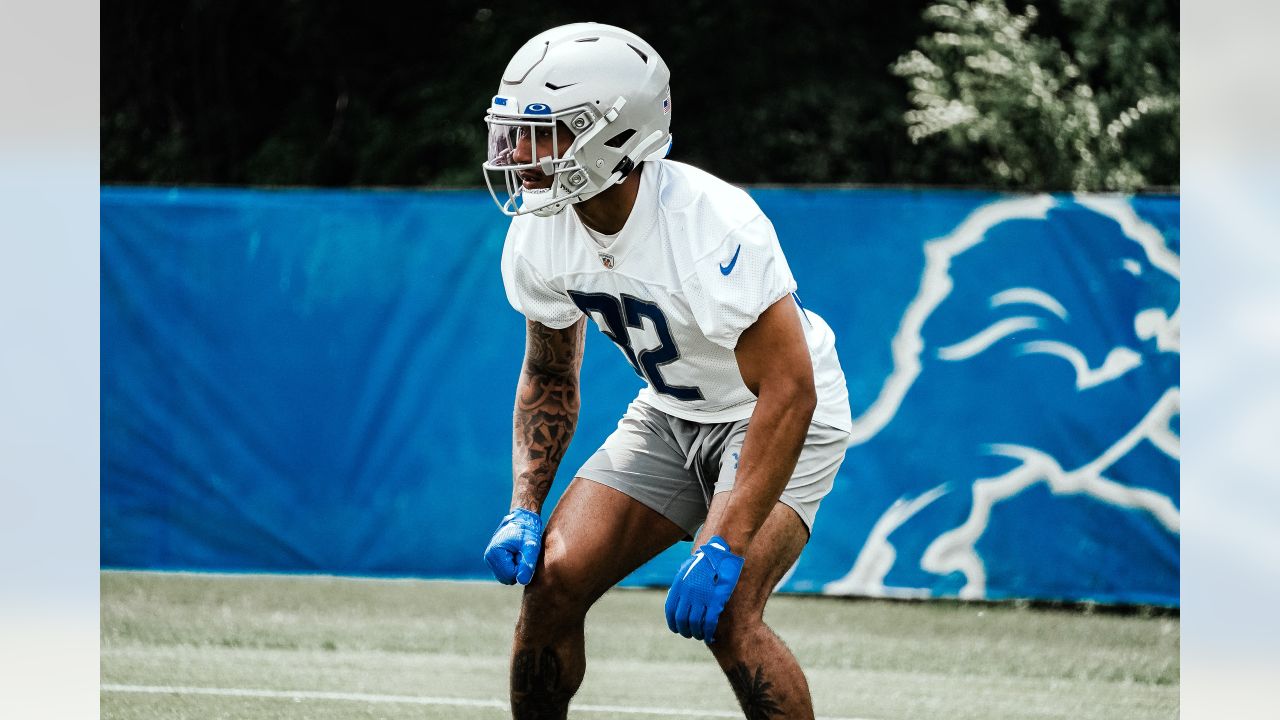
[(526, 144)]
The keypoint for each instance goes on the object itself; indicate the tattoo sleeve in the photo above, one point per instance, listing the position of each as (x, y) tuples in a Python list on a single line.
[(546, 412)]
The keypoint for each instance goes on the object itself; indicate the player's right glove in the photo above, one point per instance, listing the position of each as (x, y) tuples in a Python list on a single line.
[(513, 552), (702, 586)]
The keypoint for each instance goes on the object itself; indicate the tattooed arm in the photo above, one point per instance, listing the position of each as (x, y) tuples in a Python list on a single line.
[(546, 411)]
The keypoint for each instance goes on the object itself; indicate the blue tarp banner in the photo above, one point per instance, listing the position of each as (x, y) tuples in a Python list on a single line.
[(322, 381)]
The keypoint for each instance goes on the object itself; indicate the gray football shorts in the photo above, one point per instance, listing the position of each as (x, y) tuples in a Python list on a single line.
[(675, 466)]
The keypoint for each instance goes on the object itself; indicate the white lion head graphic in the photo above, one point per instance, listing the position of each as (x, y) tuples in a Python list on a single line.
[(1037, 366)]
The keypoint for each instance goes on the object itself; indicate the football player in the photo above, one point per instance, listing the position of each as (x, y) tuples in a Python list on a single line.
[(744, 417)]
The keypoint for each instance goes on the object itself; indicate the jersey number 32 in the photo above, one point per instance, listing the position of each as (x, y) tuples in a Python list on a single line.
[(615, 316)]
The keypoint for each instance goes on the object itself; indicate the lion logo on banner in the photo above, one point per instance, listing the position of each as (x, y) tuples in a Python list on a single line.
[(1030, 421)]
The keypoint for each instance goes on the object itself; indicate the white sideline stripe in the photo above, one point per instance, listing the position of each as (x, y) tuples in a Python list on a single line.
[(408, 700)]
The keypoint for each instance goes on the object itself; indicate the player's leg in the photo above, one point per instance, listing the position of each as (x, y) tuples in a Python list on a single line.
[(595, 537), (764, 674)]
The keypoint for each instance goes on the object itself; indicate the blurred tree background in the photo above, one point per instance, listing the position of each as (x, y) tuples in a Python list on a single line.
[(1070, 94)]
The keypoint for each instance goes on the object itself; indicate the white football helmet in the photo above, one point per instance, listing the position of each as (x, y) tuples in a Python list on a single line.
[(604, 86)]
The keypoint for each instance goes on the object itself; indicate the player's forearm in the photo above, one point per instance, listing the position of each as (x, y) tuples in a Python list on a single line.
[(546, 411), (775, 437), (546, 415)]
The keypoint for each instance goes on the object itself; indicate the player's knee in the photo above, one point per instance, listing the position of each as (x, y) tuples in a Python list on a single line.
[(557, 593), (736, 632)]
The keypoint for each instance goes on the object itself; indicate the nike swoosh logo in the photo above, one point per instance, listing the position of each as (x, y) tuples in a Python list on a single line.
[(726, 269), (697, 559)]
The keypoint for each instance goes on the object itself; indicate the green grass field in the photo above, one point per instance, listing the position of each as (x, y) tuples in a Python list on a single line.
[(265, 646)]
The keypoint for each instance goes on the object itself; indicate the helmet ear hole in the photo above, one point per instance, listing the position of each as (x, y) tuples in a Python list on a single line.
[(618, 140)]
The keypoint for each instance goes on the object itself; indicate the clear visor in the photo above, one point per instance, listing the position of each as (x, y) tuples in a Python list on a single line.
[(524, 143)]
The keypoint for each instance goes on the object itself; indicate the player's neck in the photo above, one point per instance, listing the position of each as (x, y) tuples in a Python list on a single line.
[(607, 212)]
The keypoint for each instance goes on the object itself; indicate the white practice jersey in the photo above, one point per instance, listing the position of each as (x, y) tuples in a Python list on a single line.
[(695, 265)]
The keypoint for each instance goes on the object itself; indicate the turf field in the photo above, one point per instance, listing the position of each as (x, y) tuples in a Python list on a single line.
[(265, 646)]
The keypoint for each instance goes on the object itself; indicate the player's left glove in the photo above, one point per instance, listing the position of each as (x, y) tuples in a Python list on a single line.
[(701, 588)]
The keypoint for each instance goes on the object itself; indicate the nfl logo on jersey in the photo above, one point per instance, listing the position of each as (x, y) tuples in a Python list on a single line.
[(607, 260)]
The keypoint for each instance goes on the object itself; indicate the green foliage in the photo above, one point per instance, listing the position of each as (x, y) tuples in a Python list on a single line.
[(334, 93), (1100, 114)]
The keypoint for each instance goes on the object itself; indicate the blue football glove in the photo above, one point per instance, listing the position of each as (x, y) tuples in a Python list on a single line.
[(701, 588), (513, 552)]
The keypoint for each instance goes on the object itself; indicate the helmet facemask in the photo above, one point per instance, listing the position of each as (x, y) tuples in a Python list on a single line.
[(542, 135)]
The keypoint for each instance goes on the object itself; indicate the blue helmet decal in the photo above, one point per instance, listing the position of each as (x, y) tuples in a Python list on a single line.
[(499, 100), (537, 109)]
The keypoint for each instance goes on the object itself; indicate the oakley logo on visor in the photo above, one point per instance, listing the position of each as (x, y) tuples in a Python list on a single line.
[(537, 109)]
